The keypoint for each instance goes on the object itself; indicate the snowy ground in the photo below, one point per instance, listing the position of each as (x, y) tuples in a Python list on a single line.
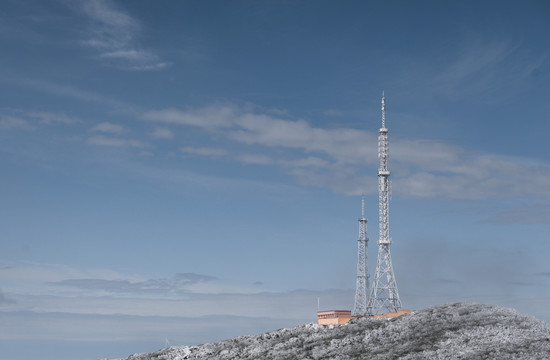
[(451, 331)]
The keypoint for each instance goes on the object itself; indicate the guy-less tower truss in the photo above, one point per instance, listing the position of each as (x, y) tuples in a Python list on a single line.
[(384, 296), (362, 283)]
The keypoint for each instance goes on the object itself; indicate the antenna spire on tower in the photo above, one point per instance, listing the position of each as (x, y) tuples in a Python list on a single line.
[(384, 294), (362, 282), (383, 110)]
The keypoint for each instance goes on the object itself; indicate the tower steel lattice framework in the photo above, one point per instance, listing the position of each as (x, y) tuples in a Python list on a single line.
[(384, 296), (362, 282)]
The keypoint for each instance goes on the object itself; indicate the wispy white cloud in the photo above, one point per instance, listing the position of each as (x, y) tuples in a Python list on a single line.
[(115, 34), (126, 54), (70, 330), (97, 298), (203, 151), (485, 68), (4, 299), (334, 113), (51, 118), (474, 65), (31, 278), (70, 92), (526, 214), (256, 159), (138, 60), (208, 117), (162, 133), (22, 120), (108, 128), (345, 145), (306, 162), (334, 157), (180, 285), (58, 288), (14, 123), (115, 142), (115, 27), (150, 67)]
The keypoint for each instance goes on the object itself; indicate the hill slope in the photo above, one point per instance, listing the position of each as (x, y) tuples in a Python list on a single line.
[(451, 331)]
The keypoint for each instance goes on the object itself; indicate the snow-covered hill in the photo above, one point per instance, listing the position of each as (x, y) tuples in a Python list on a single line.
[(451, 331)]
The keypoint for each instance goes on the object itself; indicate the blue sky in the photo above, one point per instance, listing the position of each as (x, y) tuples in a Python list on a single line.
[(193, 170)]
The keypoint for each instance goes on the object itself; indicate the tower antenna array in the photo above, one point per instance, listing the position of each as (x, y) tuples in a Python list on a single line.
[(384, 296), (362, 282)]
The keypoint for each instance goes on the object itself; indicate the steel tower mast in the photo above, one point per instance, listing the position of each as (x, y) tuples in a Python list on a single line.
[(362, 282), (384, 296)]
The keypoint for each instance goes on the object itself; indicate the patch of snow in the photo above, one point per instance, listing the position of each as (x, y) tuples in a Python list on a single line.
[(450, 331)]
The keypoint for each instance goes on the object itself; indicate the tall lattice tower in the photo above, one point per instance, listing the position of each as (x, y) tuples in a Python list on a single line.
[(362, 282), (384, 296)]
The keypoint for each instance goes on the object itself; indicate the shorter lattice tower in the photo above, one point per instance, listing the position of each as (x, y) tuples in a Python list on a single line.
[(384, 296), (362, 282)]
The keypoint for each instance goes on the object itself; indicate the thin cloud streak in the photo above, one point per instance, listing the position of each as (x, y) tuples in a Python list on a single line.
[(533, 214), (151, 67), (70, 92), (162, 133), (178, 286), (203, 151), (473, 67), (114, 34), (4, 299), (422, 169), (195, 295), (14, 123), (52, 118), (115, 142), (481, 64), (108, 127), (137, 330)]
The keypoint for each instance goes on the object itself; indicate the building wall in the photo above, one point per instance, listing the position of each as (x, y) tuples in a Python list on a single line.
[(340, 317), (392, 314), (333, 317), (340, 320)]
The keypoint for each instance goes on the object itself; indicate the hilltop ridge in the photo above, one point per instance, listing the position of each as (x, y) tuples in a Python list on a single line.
[(450, 331)]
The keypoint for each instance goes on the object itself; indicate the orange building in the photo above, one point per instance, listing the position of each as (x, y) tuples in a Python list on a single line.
[(333, 317), (392, 314), (340, 317)]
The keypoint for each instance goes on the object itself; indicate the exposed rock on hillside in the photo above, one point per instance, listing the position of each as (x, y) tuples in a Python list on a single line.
[(451, 331)]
